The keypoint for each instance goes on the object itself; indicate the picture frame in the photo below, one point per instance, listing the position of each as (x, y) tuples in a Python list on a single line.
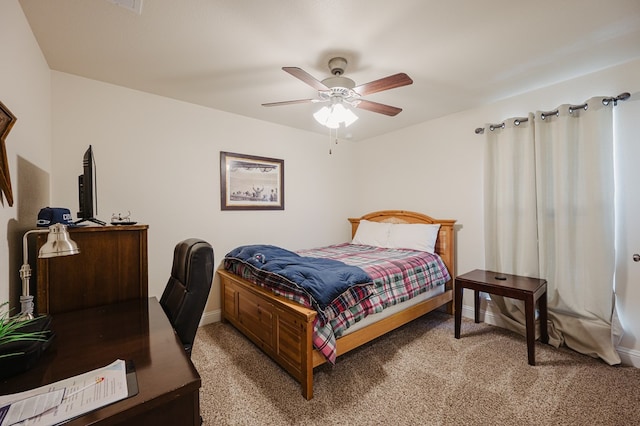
[(7, 120), (249, 182)]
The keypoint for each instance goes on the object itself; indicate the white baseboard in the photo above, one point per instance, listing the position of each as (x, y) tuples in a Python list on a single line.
[(210, 317), (627, 356)]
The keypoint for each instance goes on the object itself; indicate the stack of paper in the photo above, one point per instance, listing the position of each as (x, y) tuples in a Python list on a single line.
[(61, 401)]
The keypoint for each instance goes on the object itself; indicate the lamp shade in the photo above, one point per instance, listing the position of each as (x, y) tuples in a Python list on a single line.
[(58, 243), (332, 116)]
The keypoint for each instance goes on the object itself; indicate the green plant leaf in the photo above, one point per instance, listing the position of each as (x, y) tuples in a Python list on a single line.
[(11, 328)]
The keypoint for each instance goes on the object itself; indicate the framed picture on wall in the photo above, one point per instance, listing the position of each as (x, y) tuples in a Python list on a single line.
[(7, 120), (248, 182)]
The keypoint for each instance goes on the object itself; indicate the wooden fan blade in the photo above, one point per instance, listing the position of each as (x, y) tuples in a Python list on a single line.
[(391, 82), (301, 74), (298, 101), (379, 108)]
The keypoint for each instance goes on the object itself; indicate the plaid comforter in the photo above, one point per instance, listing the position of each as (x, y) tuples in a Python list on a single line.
[(397, 275)]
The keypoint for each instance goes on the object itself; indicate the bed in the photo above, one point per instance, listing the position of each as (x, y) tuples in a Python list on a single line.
[(285, 329)]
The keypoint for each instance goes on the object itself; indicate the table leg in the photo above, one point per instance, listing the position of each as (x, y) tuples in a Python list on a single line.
[(542, 307), (458, 310), (529, 309), (476, 305)]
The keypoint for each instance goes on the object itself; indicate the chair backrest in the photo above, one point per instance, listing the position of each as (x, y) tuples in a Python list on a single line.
[(186, 293)]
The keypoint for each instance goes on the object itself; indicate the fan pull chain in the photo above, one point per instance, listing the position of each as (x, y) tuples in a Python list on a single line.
[(335, 139)]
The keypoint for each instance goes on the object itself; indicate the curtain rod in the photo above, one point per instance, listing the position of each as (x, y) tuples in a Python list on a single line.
[(621, 97)]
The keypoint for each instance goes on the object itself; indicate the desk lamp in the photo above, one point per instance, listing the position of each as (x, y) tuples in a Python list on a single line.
[(58, 244)]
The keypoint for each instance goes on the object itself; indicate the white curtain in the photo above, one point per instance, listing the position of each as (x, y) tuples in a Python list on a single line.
[(571, 154), (511, 227)]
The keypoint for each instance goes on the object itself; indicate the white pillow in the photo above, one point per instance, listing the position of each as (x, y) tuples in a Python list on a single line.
[(414, 236), (372, 233)]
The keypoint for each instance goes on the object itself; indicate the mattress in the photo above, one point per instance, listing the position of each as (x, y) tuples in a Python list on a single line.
[(373, 318)]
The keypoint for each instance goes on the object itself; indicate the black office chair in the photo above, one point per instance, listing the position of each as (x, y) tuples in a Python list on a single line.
[(186, 293)]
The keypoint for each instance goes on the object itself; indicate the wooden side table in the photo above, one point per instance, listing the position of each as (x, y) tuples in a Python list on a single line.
[(527, 289)]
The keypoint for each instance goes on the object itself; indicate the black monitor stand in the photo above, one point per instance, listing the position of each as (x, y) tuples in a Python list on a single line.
[(92, 219)]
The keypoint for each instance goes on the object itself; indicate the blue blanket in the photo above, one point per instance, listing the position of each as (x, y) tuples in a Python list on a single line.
[(322, 279)]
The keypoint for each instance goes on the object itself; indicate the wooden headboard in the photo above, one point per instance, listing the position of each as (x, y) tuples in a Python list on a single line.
[(445, 245)]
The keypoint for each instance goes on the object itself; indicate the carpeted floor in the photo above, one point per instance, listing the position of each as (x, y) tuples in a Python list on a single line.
[(417, 375)]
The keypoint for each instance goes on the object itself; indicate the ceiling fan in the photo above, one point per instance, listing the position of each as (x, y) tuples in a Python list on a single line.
[(340, 89)]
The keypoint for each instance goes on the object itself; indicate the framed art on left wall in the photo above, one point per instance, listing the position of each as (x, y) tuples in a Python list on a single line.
[(249, 182), (7, 120)]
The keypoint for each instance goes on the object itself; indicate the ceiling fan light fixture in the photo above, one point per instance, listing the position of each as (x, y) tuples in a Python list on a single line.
[(334, 115), (342, 94)]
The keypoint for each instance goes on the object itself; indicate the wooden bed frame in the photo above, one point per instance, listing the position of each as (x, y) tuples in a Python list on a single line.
[(284, 329)]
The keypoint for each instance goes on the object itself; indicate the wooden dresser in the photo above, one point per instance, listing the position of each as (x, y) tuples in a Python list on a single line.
[(111, 267)]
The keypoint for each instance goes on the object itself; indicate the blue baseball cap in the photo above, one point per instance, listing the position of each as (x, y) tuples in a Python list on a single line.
[(51, 215)]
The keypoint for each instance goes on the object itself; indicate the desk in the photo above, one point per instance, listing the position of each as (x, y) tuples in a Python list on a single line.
[(527, 289), (137, 330)]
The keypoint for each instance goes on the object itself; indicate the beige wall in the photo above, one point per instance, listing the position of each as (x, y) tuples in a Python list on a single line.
[(159, 159), (25, 88)]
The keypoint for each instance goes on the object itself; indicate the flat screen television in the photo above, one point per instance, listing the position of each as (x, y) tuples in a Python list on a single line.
[(87, 194)]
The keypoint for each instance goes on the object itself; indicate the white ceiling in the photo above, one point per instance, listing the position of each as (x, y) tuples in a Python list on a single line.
[(228, 54)]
